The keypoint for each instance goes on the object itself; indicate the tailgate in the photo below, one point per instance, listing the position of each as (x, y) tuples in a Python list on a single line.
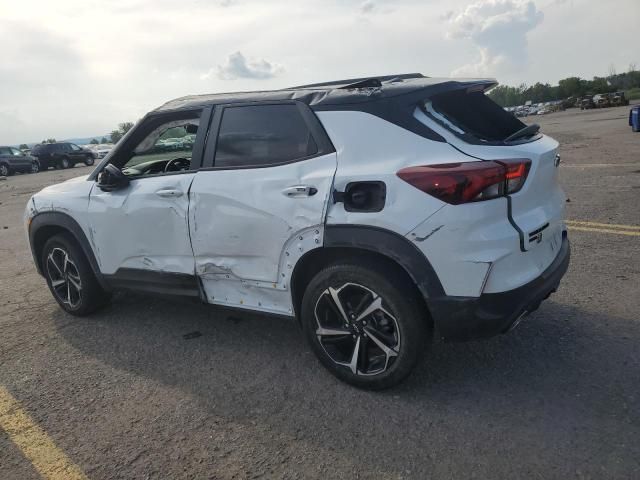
[(537, 210)]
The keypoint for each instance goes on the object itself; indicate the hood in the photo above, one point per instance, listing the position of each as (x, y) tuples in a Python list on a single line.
[(68, 195), (68, 185)]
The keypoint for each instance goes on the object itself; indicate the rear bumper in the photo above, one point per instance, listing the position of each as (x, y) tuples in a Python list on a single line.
[(469, 318)]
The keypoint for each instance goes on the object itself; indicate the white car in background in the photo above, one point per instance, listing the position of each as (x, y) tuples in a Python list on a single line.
[(101, 150), (376, 212)]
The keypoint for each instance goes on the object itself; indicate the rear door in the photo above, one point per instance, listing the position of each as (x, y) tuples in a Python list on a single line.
[(261, 202), (20, 160), (76, 153)]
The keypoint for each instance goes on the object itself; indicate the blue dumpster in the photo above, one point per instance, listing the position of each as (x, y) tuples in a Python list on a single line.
[(634, 118)]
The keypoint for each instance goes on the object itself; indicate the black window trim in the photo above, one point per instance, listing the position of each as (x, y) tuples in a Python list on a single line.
[(318, 133), (137, 135)]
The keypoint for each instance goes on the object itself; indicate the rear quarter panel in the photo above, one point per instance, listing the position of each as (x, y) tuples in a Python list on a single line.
[(370, 148)]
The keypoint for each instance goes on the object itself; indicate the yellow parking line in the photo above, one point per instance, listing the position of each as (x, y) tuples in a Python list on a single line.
[(604, 225), (604, 230), (34, 443)]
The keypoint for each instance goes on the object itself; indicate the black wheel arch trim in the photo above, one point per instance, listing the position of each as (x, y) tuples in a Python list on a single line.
[(393, 246), (67, 223)]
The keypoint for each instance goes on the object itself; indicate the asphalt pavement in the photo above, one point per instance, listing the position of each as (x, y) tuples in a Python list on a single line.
[(156, 387)]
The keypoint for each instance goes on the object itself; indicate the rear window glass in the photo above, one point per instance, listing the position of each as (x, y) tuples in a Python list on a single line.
[(474, 114), (263, 135)]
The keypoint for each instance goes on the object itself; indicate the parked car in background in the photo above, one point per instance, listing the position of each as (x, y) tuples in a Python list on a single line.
[(601, 100), (618, 99), (62, 155), (101, 150), (587, 103), (13, 160)]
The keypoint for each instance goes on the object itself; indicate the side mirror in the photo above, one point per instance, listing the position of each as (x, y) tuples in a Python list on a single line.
[(112, 178)]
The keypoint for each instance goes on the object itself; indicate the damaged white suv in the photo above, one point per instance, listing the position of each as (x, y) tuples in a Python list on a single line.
[(378, 212)]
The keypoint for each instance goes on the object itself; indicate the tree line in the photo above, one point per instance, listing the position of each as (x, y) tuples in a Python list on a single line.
[(507, 96)]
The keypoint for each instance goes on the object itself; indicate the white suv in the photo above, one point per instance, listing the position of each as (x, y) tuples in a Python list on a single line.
[(377, 212)]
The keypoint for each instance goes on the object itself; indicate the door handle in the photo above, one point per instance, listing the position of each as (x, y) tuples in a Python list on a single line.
[(300, 191), (169, 193)]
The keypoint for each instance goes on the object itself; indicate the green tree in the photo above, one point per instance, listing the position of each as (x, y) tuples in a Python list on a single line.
[(49, 140), (115, 135), (104, 140), (24, 146), (571, 86), (93, 141), (123, 128)]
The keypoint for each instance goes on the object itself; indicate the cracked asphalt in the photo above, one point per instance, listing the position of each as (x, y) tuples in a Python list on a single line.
[(124, 394)]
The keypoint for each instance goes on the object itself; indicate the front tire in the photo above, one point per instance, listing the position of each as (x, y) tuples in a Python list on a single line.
[(64, 163), (35, 167), (4, 170), (368, 326), (89, 161), (70, 277)]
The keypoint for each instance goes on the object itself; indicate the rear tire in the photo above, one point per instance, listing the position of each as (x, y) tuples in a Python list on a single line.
[(89, 161), (35, 167), (70, 277), (4, 170), (367, 326)]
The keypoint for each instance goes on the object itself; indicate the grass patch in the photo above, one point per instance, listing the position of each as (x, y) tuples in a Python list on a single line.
[(633, 93)]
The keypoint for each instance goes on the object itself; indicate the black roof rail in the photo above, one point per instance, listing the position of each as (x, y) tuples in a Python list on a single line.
[(364, 82)]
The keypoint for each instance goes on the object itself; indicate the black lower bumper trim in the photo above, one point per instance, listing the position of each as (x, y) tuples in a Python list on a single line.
[(469, 318)]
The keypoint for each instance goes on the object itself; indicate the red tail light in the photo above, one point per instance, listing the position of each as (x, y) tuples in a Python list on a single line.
[(458, 183)]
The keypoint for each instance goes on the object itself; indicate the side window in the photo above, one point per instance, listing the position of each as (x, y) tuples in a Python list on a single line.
[(5, 151), (74, 147), (166, 148), (15, 152), (262, 135)]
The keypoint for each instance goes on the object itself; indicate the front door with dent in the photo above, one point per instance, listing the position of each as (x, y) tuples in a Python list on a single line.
[(144, 227)]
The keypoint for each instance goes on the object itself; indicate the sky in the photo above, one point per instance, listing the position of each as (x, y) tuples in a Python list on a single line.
[(77, 68)]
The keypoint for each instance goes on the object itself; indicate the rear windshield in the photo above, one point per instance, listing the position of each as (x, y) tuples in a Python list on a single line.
[(473, 114)]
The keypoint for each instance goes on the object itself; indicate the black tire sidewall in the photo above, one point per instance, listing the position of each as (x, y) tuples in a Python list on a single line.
[(63, 161), (399, 298), (92, 296), (89, 162)]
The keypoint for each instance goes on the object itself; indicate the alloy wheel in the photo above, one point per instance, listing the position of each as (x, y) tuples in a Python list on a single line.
[(4, 171), (35, 168), (64, 277), (355, 329)]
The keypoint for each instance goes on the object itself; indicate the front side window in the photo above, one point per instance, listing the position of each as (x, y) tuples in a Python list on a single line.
[(262, 135), (166, 148), (15, 152)]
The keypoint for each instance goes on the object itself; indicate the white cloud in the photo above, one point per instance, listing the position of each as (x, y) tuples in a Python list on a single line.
[(238, 66), (367, 6), (124, 57), (498, 28)]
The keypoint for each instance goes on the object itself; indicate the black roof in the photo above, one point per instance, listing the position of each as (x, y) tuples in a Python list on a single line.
[(339, 92)]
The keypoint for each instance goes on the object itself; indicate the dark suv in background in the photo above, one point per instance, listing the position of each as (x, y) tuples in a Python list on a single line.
[(62, 155), (13, 160)]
